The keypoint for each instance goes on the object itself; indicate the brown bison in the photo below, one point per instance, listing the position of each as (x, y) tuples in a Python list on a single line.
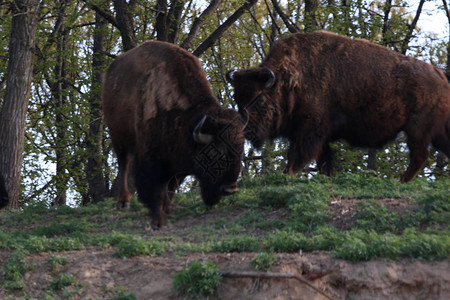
[(315, 88), (161, 112)]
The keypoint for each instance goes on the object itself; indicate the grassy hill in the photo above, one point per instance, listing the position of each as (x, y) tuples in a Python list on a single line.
[(354, 218)]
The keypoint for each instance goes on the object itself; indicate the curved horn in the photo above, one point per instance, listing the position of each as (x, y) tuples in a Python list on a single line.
[(245, 117), (200, 137), (270, 82), (229, 76)]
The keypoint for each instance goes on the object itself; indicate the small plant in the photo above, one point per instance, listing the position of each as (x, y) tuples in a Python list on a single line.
[(131, 246), (276, 196), (283, 241), (264, 261), (72, 228), (62, 280), (14, 269), (240, 243), (198, 281), (56, 263), (124, 295), (373, 216), (309, 207)]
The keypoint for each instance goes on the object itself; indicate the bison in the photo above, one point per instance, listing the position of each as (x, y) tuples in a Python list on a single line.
[(163, 116), (315, 88)]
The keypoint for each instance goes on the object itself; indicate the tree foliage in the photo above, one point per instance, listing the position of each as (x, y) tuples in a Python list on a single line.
[(67, 152)]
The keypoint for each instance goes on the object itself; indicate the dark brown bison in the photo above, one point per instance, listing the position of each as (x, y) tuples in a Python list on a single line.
[(161, 112), (315, 88), (4, 199)]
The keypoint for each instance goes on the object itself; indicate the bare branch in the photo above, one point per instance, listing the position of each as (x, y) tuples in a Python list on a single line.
[(269, 275), (290, 26), (198, 23), (222, 28), (411, 27), (108, 17), (274, 21)]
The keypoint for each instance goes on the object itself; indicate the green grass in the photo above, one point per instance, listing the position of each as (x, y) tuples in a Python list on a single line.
[(198, 281), (264, 261), (269, 215)]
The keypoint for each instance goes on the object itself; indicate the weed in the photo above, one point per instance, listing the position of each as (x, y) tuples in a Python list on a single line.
[(424, 246), (309, 207), (14, 269), (135, 246), (240, 243), (283, 241), (198, 281), (276, 196), (436, 206), (124, 295), (264, 261), (56, 263), (72, 228), (373, 216), (62, 280)]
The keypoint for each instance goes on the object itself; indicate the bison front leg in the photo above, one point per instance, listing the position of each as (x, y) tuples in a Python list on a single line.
[(307, 146), (301, 153)]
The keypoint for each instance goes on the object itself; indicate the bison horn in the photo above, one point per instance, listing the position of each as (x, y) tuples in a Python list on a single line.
[(245, 117), (199, 137), (230, 76), (271, 80)]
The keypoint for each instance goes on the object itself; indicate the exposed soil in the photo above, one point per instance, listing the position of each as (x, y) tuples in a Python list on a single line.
[(101, 273)]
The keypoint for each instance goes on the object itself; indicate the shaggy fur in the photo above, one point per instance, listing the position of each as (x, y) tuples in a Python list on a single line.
[(329, 87), (154, 96)]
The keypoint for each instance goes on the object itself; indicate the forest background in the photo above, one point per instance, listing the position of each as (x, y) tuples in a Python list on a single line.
[(54, 146)]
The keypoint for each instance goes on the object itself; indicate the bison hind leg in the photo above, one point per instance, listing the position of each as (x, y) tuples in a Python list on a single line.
[(418, 154), (325, 161), (151, 186), (442, 142)]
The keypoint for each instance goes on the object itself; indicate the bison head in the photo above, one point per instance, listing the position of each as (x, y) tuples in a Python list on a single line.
[(253, 90), (219, 145)]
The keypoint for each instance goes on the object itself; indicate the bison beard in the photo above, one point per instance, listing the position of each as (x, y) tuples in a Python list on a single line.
[(162, 114), (315, 88)]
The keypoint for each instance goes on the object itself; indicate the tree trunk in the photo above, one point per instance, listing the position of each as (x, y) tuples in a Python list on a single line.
[(174, 20), (161, 20), (59, 92), (310, 15), (125, 24), (17, 93), (96, 163)]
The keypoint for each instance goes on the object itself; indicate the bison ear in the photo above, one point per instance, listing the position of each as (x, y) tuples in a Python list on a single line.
[(266, 78), (199, 136)]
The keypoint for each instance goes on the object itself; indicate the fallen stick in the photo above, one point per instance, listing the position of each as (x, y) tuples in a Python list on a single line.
[(269, 275)]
